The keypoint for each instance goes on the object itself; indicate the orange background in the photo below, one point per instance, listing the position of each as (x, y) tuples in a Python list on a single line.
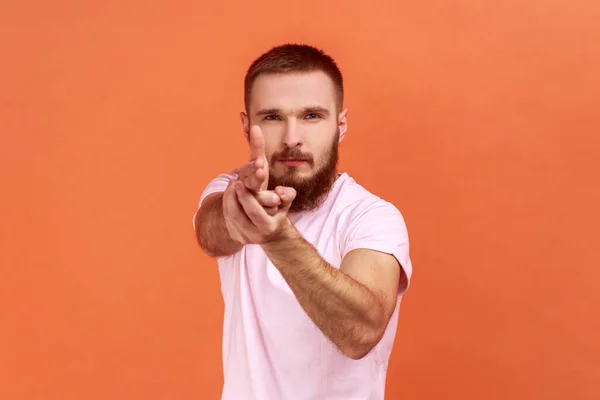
[(478, 119)]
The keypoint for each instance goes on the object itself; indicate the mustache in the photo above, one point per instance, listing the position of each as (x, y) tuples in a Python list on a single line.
[(293, 154)]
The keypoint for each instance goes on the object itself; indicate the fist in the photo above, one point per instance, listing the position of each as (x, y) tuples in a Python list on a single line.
[(247, 221)]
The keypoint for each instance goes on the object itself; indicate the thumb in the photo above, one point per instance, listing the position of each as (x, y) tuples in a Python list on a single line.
[(287, 196)]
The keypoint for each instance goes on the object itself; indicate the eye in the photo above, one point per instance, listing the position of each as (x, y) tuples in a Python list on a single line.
[(272, 117), (312, 116)]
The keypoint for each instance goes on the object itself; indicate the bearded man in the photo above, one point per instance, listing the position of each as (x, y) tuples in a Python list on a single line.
[(313, 266)]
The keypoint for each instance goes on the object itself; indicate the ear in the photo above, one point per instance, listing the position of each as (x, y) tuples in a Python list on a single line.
[(245, 125), (343, 124)]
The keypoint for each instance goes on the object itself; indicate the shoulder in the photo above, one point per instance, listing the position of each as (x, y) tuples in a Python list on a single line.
[(367, 221), (355, 203), (217, 185)]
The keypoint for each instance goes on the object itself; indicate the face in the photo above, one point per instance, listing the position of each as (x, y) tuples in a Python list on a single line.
[(298, 115)]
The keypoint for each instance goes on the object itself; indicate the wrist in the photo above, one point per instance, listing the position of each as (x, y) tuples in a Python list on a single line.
[(287, 234)]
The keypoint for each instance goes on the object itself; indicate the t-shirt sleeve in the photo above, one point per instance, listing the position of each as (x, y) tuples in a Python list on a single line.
[(217, 185), (380, 227)]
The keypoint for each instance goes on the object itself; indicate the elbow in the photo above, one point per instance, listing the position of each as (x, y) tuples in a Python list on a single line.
[(358, 354), (359, 349), (363, 344)]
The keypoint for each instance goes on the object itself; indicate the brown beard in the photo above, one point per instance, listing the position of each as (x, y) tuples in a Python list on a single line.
[(312, 191)]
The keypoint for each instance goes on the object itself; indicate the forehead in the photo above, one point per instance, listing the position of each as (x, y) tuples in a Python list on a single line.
[(292, 91)]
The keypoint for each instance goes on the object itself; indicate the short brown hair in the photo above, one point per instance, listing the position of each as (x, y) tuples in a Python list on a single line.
[(294, 58)]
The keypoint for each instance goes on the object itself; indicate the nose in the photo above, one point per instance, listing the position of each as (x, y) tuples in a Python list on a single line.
[(292, 137)]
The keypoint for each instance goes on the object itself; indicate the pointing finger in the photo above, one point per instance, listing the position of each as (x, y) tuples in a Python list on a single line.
[(255, 181), (257, 143)]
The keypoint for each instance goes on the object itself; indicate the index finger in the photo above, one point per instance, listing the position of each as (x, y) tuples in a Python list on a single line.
[(246, 170), (257, 143)]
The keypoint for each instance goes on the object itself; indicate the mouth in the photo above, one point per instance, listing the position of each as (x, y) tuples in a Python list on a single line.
[(291, 162)]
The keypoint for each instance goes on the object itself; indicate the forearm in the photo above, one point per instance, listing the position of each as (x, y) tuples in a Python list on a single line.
[(211, 231), (344, 310)]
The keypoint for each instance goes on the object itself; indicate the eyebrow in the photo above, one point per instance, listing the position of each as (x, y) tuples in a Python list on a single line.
[(305, 110)]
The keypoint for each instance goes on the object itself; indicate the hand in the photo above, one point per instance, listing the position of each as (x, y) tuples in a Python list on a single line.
[(247, 221), (247, 175)]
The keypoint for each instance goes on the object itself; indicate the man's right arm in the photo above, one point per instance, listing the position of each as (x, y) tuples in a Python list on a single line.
[(211, 231)]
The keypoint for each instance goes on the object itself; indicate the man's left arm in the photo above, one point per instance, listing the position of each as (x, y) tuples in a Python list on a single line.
[(351, 305)]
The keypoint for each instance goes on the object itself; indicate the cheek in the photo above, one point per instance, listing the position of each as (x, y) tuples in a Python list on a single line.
[(273, 141), (321, 159), (270, 150), (323, 149)]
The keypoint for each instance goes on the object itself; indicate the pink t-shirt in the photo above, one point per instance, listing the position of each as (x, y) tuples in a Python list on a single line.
[(271, 349)]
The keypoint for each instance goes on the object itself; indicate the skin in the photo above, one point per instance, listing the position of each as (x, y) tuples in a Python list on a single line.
[(351, 305)]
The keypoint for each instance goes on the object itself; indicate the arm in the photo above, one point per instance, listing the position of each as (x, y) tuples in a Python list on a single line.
[(211, 230), (353, 305)]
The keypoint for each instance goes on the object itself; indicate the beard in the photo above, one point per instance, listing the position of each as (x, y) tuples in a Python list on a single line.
[(310, 191)]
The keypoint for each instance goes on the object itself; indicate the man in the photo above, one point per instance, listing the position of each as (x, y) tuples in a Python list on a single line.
[(312, 265)]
